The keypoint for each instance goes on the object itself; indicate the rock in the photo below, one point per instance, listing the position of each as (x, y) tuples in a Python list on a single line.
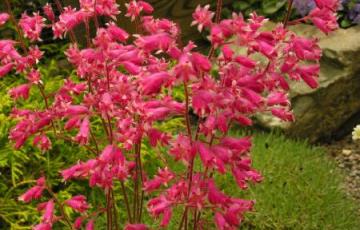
[(346, 152), (322, 112)]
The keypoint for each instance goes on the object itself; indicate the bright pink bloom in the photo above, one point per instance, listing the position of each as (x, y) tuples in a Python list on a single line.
[(32, 26), (90, 225), (134, 9), (136, 227), (152, 84), (48, 11), (34, 192), (227, 52), (146, 7), (278, 98), (309, 74), (243, 173), (162, 178), (43, 142), (78, 203), (117, 33), (283, 114), (34, 76), (201, 62), (156, 136), (76, 110), (83, 136), (329, 4), (215, 196), (324, 19), (3, 18), (306, 49), (245, 61), (202, 17), (156, 42), (21, 91), (48, 212), (240, 145), (78, 222), (43, 226), (5, 69)]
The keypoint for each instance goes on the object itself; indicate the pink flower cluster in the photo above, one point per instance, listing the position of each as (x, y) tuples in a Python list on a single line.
[(125, 85)]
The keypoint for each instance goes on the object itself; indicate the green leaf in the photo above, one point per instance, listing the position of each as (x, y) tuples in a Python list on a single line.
[(272, 6)]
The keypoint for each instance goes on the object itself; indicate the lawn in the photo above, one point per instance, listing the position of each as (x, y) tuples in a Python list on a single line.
[(301, 188)]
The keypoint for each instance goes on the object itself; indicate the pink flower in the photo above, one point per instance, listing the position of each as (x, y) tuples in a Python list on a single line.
[(283, 114), (43, 142), (5, 69), (152, 84), (34, 76), (43, 226), (107, 8), (3, 18), (48, 11), (34, 192), (156, 136), (146, 7), (90, 225), (78, 203), (202, 17), (221, 223), (78, 222), (242, 173), (156, 42), (117, 33), (324, 19), (306, 49), (278, 98), (162, 178), (227, 52), (136, 227), (201, 62), (76, 110), (48, 212), (329, 4), (309, 74), (32, 26), (214, 195), (134, 9), (83, 136), (240, 145), (245, 61), (181, 149), (21, 91)]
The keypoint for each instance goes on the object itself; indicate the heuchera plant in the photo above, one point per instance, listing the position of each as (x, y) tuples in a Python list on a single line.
[(126, 82)]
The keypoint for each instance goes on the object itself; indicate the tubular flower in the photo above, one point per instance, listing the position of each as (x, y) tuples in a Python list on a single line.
[(135, 97), (4, 17), (32, 26)]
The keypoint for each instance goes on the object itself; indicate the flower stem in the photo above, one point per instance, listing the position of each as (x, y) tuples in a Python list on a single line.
[(288, 13)]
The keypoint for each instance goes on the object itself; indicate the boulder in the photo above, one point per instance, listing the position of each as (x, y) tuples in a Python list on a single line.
[(323, 112)]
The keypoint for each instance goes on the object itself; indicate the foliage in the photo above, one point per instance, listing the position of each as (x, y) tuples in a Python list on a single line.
[(302, 185), (273, 9), (105, 125)]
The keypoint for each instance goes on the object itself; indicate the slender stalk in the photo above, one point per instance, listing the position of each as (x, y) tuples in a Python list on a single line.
[(61, 208), (219, 4), (126, 201), (18, 30), (288, 13), (115, 211)]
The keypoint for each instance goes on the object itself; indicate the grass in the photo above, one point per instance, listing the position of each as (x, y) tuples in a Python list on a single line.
[(301, 188)]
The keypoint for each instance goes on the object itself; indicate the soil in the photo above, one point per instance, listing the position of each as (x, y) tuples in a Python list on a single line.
[(347, 155)]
